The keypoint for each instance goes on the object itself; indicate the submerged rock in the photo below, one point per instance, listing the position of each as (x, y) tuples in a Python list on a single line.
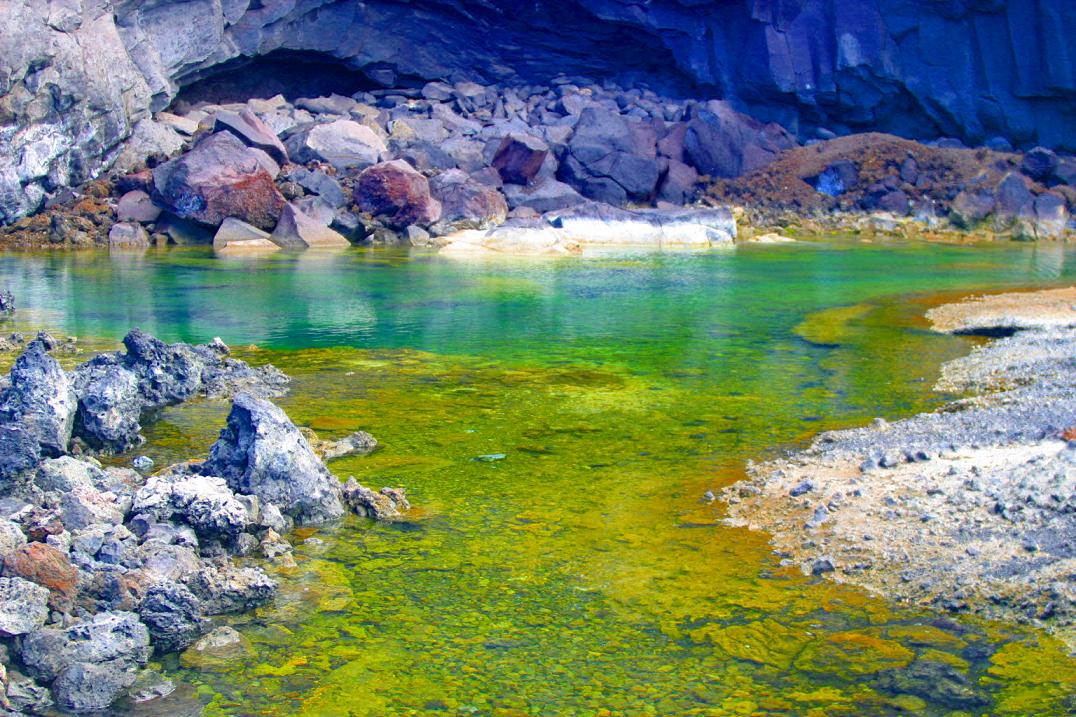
[(386, 504), (262, 453)]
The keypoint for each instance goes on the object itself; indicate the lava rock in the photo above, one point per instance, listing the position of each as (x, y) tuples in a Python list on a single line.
[(345, 144), (251, 131), (298, 230), (45, 565), (519, 158), (41, 399), (261, 452), (24, 606), (398, 194), (173, 616), (219, 178), (466, 204)]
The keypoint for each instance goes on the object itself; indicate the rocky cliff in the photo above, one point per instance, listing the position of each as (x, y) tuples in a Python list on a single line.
[(76, 75)]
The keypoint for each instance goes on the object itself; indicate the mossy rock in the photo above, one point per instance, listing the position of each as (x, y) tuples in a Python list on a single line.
[(853, 654), (926, 636), (219, 651), (767, 642)]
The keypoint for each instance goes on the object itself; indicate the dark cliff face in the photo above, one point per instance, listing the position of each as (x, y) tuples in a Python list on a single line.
[(921, 68), (76, 77)]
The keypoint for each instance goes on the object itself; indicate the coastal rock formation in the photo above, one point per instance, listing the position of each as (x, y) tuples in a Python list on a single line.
[(968, 70), (968, 508), (101, 564)]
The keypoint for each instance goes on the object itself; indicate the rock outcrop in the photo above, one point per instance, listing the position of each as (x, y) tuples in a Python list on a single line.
[(76, 79)]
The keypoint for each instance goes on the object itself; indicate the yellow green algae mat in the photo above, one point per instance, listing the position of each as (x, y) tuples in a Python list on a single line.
[(557, 424)]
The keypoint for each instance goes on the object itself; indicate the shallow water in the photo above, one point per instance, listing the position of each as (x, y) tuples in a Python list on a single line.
[(581, 574)]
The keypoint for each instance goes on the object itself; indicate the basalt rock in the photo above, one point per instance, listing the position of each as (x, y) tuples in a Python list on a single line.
[(467, 204), (261, 452), (219, 178), (973, 70), (398, 194), (41, 399)]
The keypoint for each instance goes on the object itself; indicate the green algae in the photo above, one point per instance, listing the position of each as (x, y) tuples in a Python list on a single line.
[(582, 574)]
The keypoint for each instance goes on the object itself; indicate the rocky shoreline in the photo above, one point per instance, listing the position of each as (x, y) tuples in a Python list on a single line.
[(104, 566), (968, 509), (531, 169)]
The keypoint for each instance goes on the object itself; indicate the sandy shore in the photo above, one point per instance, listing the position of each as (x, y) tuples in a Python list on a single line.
[(971, 508)]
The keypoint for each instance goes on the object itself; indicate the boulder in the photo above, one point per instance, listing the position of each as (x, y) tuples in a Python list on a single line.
[(298, 230), (84, 505), (386, 504), (217, 650), (41, 399), (359, 443), (546, 196), (136, 206), (971, 207), (396, 193), (11, 537), (236, 235), (519, 158), (20, 452), (320, 183), (224, 588), (246, 125), (466, 204), (117, 638), (127, 235), (219, 178), (203, 502), (1039, 164), (109, 406), (261, 452), (24, 606), (92, 687), (1044, 218), (611, 158), (1011, 194), (173, 616), (721, 142), (345, 144), (678, 184), (45, 565)]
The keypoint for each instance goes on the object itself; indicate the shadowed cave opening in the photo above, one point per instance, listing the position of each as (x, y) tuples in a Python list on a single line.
[(293, 74)]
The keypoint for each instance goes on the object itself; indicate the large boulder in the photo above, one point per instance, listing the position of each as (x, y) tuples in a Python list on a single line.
[(519, 158), (219, 178), (397, 193), (466, 204), (345, 144), (20, 452), (722, 142), (261, 452), (246, 125), (612, 158), (41, 399), (115, 389), (298, 230)]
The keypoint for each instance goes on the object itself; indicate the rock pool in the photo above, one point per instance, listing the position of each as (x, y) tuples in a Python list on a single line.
[(582, 573)]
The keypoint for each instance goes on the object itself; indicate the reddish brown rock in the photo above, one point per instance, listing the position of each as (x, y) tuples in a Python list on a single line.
[(519, 158), (47, 566), (219, 178), (397, 193)]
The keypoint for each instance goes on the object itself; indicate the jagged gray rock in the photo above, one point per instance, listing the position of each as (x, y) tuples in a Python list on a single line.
[(261, 452), (41, 399), (24, 606)]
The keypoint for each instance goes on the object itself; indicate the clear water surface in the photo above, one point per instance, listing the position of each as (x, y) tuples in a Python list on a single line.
[(581, 574)]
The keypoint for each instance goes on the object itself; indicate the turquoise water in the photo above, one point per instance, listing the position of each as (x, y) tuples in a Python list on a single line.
[(581, 574)]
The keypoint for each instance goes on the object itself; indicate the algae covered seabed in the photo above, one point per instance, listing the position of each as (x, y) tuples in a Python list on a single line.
[(557, 423)]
